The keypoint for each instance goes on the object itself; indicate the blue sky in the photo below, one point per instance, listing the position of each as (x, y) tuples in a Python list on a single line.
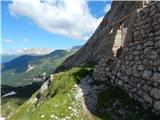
[(23, 27)]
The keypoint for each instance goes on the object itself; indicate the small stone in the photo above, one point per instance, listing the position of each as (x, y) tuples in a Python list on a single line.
[(149, 43), (146, 88), (159, 68), (156, 105), (140, 93), (146, 61), (120, 82), (147, 74), (155, 84), (147, 49), (135, 73), (155, 92), (157, 33), (158, 37), (157, 44), (44, 86), (152, 55), (135, 53), (155, 62), (125, 78), (139, 86), (140, 67), (139, 47), (147, 98), (134, 90), (156, 77)]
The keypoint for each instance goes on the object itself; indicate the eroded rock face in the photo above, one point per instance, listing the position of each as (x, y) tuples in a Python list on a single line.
[(101, 42)]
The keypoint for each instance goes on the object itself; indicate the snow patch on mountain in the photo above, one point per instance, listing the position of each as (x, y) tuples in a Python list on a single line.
[(28, 51)]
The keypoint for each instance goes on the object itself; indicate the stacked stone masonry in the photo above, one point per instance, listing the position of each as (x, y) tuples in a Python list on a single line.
[(137, 70)]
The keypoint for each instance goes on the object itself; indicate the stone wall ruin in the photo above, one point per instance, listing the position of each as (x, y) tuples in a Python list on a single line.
[(137, 70)]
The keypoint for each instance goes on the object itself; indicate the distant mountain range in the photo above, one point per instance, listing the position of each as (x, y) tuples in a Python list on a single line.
[(27, 69), (6, 57), (35, 51)]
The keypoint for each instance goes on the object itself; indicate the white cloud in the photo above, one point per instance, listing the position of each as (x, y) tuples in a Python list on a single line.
[(65, 17), (26, 40), (107, 8), (8, 41)]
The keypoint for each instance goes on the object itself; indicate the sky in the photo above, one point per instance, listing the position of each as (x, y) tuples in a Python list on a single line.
[(55, 24)]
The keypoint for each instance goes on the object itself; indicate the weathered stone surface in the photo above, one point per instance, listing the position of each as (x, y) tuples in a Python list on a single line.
[(157, 33), (147, 98), (156, 76), (149, 43), (157, 44), (44, 87), (147, 74), (155, 92), (120, 83), (140, 67), (147, 49), (139, 47), (156, 105), (159, 68), (152, 55)]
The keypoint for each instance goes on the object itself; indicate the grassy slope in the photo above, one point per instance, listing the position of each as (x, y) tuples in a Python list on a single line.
[(59, 100), (10, 104)]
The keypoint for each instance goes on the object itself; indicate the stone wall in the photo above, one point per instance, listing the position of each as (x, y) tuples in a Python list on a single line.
[(137, 70), (101, 42)]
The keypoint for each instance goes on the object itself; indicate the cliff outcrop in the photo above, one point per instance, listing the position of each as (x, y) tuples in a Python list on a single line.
[(102, 41)]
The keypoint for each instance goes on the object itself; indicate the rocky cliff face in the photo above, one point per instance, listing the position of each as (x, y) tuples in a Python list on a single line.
[(135, 27), (102, 41)]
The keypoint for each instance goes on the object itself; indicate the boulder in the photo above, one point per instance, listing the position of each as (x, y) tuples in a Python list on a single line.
[(156, 105), (156, 77), (147, 74), (155, 92)]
